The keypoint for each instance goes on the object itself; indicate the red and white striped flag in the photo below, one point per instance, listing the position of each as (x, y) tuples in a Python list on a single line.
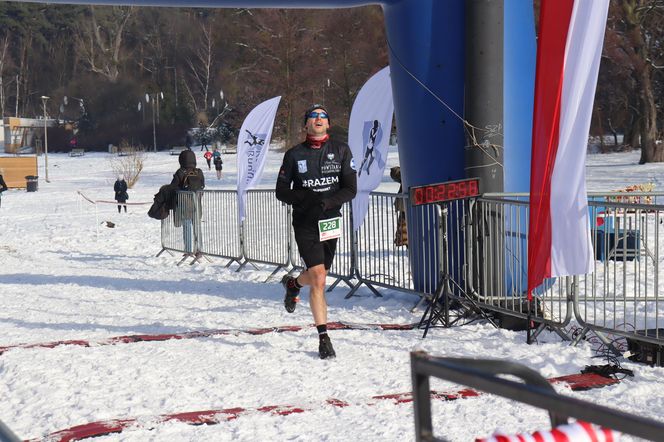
[(568, 55)]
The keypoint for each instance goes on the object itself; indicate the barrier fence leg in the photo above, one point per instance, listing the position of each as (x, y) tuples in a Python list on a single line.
[(581, 336), (184, 258), (419, 303), (273, 273), (355, 287), (540, 328), (564, 336), (421, 402), (198, 256), (347, 281), (231, 262), (242, 264)]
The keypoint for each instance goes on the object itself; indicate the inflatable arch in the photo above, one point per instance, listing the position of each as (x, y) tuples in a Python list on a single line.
[(439, 49)]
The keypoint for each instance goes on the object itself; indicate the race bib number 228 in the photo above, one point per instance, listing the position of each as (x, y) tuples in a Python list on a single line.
[(329, 228)]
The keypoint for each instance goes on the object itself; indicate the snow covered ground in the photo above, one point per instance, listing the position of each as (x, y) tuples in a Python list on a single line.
[(61, 280)]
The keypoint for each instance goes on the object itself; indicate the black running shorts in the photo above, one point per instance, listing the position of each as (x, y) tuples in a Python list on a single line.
[(312, 251)]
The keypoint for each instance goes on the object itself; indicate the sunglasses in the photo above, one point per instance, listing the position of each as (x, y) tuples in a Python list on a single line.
[(322, 115)]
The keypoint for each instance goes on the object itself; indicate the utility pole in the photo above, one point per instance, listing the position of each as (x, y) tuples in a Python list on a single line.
[(154, 127), (17, 91), (44, 99)]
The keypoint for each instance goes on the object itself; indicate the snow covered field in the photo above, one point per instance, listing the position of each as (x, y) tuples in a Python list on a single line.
[(59, 280)]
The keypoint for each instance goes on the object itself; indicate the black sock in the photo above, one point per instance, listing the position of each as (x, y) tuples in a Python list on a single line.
[(293, 284), (322, 330), (297, 284)]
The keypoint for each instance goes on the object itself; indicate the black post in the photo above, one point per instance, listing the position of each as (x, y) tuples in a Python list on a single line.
[(483, 114), (421, 399), (484, 92)]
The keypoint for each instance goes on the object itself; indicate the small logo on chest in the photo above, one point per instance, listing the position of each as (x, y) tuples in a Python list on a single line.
[(302, 166)]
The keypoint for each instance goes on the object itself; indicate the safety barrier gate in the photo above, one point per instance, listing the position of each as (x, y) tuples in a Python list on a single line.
[(483, 375), (487, 253)]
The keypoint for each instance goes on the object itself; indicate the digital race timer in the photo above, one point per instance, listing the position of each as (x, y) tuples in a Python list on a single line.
[(438, 193)]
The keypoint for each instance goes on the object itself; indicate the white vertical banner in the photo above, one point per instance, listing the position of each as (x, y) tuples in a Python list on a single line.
[(253, 143), (568, 57), (368, 137)]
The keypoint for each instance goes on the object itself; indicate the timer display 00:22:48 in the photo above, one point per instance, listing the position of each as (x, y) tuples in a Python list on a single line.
[(444, 192)]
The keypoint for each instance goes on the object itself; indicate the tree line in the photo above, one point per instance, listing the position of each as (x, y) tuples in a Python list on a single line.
[(190, 63), (201, 60)]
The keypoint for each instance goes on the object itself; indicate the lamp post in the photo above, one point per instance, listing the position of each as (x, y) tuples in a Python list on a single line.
[(155, 99), (44, 99)]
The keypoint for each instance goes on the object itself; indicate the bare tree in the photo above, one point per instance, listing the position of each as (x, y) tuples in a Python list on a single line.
[(130, 163), (355, 49), (100, 40), (4, 45), (634, 40), (200, 69), (282, 51)]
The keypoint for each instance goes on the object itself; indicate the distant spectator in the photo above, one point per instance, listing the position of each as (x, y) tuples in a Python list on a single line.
[(121, 195), (218, 162), (202, 135), (401, 234), (208, 157), (73, 143), (3, 185), (188, 141)]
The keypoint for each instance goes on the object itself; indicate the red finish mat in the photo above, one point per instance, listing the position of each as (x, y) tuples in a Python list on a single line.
[(576, 382)]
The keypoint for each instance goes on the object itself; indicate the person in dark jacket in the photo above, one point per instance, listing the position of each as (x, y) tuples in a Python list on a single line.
[(121, 195), (218, 162), (190, 179), (3, 185), (316, 177)]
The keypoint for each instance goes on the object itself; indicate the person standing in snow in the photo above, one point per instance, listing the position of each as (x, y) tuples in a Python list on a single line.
[(208, 157), (3, 185), (190, 179), (218, 162), (121, 195), (316, 177)]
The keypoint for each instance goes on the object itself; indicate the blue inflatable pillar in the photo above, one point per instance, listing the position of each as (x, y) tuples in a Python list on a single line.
[(426, 49)]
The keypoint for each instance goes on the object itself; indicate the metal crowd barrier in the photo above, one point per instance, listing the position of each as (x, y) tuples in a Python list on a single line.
[(343, 266), (219, 225), (187, 215), (265, 230), (483, 375), (177, 230), (487, 253), (622, 294), (380, 260), (499, 263)]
